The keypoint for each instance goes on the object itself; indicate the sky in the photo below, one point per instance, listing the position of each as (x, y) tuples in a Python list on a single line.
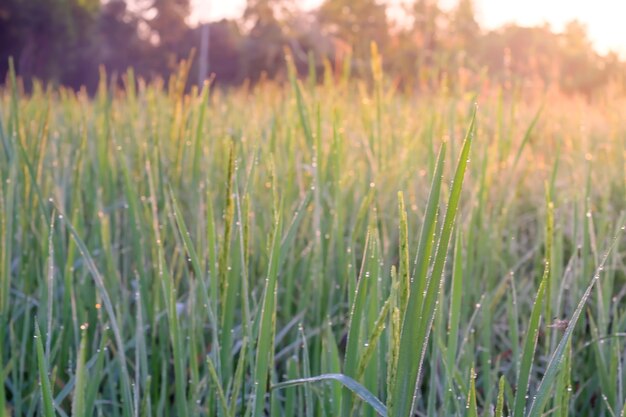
[(605, 19)]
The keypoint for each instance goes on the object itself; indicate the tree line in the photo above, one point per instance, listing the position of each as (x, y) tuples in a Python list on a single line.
[(66, 41)]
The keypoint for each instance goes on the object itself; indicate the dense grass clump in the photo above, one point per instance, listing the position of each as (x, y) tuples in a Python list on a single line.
[(311, 250)]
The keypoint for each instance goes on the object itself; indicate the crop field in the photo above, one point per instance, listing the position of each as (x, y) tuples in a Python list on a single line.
[(340, 248)]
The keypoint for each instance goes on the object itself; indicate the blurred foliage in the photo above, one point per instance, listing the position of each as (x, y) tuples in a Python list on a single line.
[(64, 41)]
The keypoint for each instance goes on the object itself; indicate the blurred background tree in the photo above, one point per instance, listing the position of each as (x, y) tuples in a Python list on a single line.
[(262, 49), (118, 39), (169, 31), (49, 39), (463, 26), (64, 42), (358, 22)]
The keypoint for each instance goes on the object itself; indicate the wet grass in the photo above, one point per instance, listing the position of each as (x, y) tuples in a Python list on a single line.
[(314, 250)]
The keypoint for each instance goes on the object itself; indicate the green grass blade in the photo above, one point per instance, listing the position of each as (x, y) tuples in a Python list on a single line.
[(472, 407), (549, 376), (409, 325), (224, 409), (530, 345), (349, 383), (46, 390), (357, 313), (306, 373), (417, 324), (500, 401), (239, 370), (180, 377), (454, 316), (301, 105), (427, 236), (93, 383), (196, 264), (108, 306), (267, 326), (403, 270), (7, 204), (372, 341), (526, 137), (78, 398)]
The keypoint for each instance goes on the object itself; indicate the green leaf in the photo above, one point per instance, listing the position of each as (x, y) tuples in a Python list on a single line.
[(78, 399), (417, 323), (358, 389), (471, 407), (500, 402), (46, 391), (530, 345), (549, 376), (267, 326)]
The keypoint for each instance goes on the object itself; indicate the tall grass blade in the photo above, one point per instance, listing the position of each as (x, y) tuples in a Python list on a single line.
[(44, 380), (417, 324), (180, 367), (108, 306), (78, 398), (499, 412), (556, 359), (267, 325), (357, 314), (472, 407), (528, 353), (349, 383)]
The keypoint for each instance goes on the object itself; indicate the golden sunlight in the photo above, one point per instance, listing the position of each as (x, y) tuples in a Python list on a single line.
[(604, 18)]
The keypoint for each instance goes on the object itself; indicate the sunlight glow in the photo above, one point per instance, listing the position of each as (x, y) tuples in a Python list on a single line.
[(604, 18)]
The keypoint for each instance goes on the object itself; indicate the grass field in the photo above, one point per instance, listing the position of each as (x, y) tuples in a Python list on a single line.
[(336, 249)]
